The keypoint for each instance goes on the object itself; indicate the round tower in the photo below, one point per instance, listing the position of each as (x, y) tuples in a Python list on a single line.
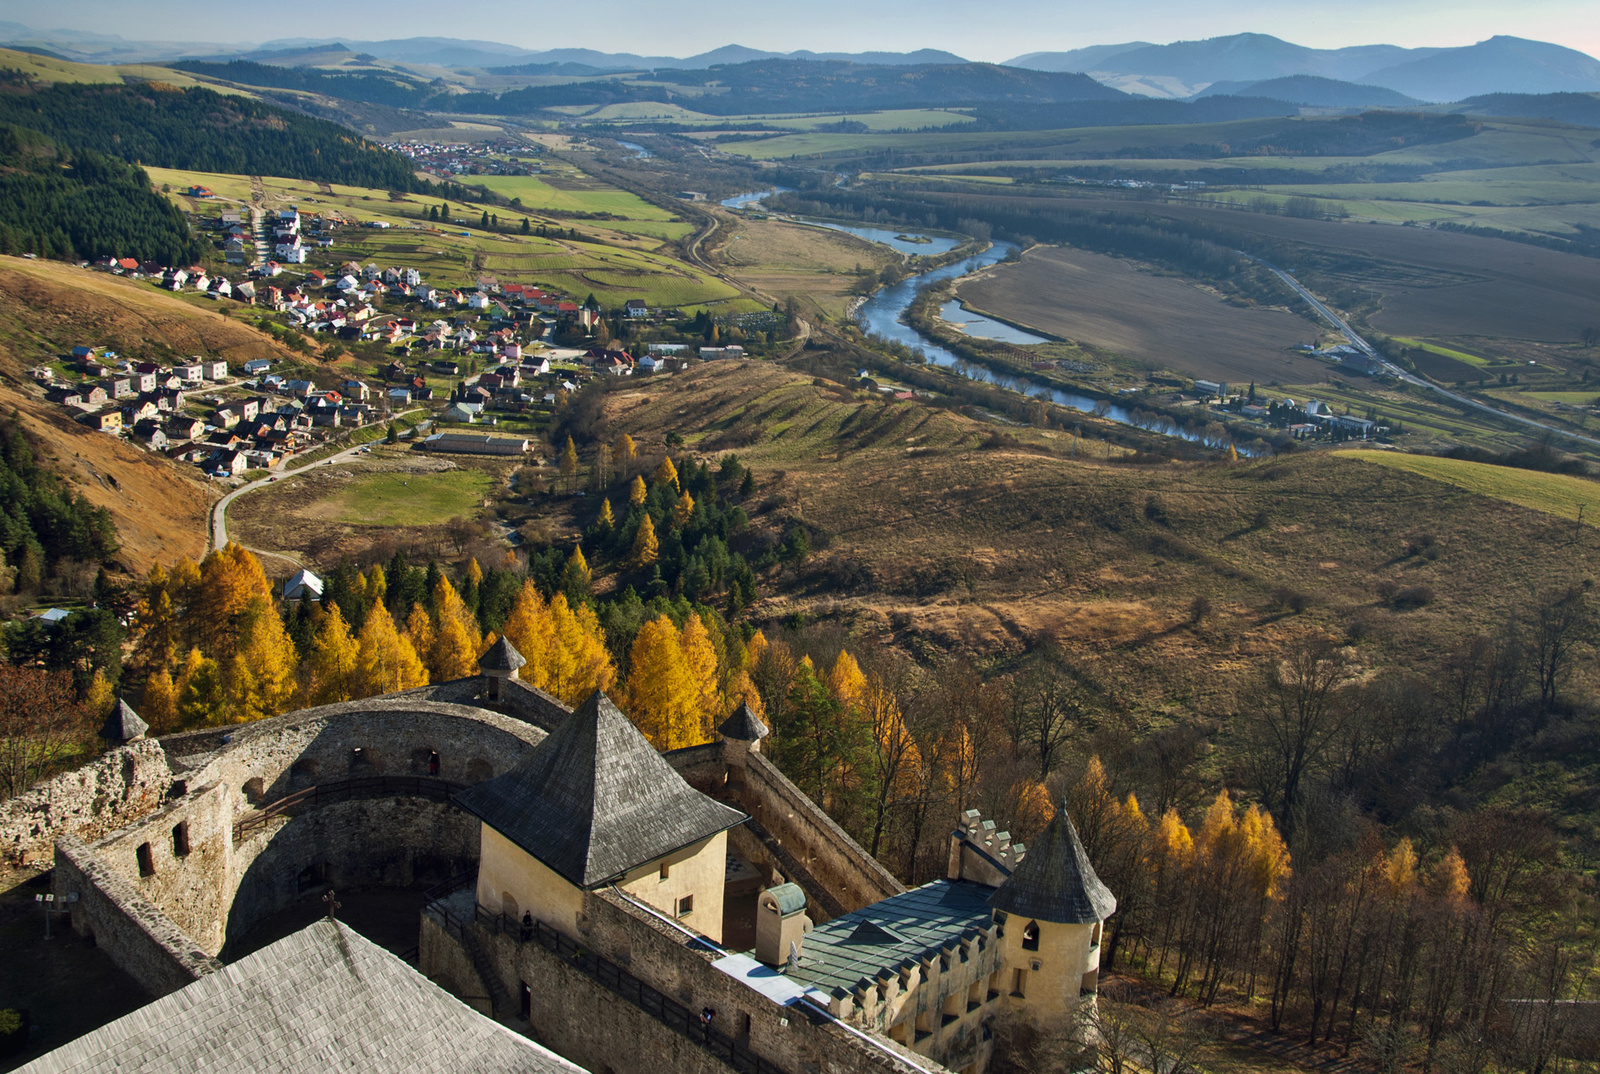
[(1052, 909)]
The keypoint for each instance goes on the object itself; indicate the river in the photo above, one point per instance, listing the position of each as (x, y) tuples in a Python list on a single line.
[(881, 315)]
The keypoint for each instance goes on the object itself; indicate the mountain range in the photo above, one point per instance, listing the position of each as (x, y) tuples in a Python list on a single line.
[(1186, 68)]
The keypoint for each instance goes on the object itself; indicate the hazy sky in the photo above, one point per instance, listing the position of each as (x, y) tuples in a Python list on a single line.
[(995, 31)]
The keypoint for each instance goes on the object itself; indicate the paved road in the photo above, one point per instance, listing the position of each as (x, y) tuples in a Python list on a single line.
[(1410, 378), (219, 513)]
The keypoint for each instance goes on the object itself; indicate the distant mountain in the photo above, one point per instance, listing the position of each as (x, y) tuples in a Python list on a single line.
[(1498, 65), (1313, 91), (1581, 109), (1081, 60)]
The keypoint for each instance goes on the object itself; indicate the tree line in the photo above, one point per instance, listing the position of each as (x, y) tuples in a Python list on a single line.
[(199, 129)]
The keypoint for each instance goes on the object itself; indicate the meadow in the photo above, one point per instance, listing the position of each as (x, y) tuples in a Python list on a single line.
[(1559, 495)]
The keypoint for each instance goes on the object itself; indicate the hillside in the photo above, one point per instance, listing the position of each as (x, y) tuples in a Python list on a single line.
[(936, 533), (46, 308)]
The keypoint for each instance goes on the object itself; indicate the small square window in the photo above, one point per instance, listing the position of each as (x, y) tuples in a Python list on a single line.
[(686, 906), (147, 860), (180, 839)]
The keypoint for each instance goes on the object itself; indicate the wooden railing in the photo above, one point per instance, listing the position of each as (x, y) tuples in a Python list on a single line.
[(347, 790)]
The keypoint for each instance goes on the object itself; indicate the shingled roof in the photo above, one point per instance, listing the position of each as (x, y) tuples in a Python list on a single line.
[(323, 998), (123, 725), (743, 725), (1055, 881), (502, 656), (595, 800)]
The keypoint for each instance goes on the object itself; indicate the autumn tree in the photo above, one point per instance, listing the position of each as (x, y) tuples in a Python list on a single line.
[(332, 669), (625, 454), (666, 473), (576, 578), (637, 491), (607, 521), (158, 704), (662, 695), (578, 662), (41, 723), (386, 662), (569, 465), (645, 546), (258, 676), (700, 661), (456, 640)]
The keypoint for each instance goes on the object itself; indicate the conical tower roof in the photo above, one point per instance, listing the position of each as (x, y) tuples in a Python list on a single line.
[(743, 725), (1055, 881), (595, 800), (123, 725), (502, 657)]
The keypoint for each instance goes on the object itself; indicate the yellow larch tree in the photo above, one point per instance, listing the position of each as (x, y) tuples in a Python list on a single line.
[(579, 661), (529, 630), (158, 706), (456, 640), (607, 521), (155, 623), (474, 572), (230, 578), (666, 473), (99, 697), (199, 689), (683, 510), (377, 584), (662, 699), (576, 575), (258, 675), (637, 491), (625, 453), (569, 464), (386, 661), (645, 546), (333, 664), (700, 657), (845, 681), (419, 630)]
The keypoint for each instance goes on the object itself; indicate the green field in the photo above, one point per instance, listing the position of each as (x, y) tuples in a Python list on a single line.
[(407, 499), (1573, 398), (1555, 494), (1434, 348)]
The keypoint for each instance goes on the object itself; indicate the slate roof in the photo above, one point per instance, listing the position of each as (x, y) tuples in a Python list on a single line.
[(323, 998), (743, 725), (123, 725), (886, 935), (502, 656), (1055, 881), (595, 800)]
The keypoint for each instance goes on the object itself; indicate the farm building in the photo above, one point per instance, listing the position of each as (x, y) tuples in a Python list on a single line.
[(475, 444)]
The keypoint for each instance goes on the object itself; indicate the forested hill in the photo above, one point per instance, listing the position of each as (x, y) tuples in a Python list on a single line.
[(83, 205), (199, 130), (807, 86)]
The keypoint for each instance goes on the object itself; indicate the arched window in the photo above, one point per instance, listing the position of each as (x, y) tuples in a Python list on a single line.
[(1030, 937)]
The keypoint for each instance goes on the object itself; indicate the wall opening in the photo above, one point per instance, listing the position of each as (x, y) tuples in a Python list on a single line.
[(666, 870), (147, 860), (527, 1001), (1019, 982), (362, 762), (255, 790), (180, 839), (686, 906), (433, 763), (1030, 937), (508, 905), (312, 876)]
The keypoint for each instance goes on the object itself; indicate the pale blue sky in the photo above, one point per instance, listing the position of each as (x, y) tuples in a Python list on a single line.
[(994, 31)]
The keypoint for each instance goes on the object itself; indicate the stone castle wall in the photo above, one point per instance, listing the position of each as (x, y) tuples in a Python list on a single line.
[(106, 794)]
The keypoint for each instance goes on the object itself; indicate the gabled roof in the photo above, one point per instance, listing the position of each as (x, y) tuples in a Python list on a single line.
[(324, 998), (743, 726), (595, 800), (123, 725), (1055, 881)]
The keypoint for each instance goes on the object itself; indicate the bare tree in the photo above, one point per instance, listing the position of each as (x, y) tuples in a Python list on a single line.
[(1291, 716), (1051, 698), (1556, 624), (40, 723)]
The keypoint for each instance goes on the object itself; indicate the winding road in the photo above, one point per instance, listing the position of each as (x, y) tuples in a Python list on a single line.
[(1411, 378)]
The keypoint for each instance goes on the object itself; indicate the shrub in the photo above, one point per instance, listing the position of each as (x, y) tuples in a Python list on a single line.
[(1413, 596)]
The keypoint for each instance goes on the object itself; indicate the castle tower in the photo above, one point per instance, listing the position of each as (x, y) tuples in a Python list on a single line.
[(741, 733), (497, 665), (123, 725), (1052, 907)]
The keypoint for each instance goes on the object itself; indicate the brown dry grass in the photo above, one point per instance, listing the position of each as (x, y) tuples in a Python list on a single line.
[(1163, 320), (779, 258), (926, 540)]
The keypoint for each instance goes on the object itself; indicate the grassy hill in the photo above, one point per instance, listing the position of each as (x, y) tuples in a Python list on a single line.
[(46, 308), (936, 532)]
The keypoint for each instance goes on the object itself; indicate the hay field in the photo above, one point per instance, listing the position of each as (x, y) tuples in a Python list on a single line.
[(1163, 320), (1560, 495), (780, 258)]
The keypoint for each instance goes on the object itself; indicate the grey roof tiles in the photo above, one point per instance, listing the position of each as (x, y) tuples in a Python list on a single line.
[(882, 936), (1055, 881), (743, 725), (502, 656), (595, 800), (324, 998)]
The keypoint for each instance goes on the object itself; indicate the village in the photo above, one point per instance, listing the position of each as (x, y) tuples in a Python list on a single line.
[(474, 356)]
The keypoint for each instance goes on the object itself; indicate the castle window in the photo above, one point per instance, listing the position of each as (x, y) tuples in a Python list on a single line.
[(665, 870), (527, 1000), (1019, 983), (1030, 937), (686, 906), (147, 860), (180, 839)]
